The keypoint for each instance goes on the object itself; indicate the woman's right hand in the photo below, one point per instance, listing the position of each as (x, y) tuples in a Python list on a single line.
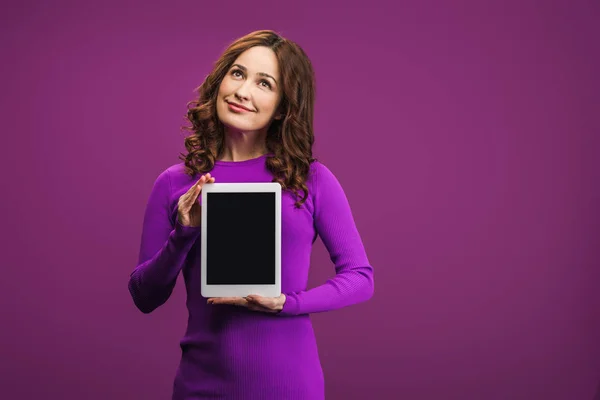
[(189, 211)]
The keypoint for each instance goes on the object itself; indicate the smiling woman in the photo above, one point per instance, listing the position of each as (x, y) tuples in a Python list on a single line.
[(252, 122), (249, 96), (273, 78)]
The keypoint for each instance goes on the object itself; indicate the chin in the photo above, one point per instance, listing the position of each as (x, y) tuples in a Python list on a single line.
[(244, 128), (230, 121)]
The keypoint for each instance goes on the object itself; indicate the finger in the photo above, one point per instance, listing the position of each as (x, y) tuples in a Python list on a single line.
[(199, 187), (256, 306), (207, 178), (193, 190), (266, 302), (223, 299), (195, 193), (236, 301), (200, 181), (232, 298)]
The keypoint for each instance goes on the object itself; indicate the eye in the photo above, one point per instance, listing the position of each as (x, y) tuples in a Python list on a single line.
[(235, 73), (266, 82)]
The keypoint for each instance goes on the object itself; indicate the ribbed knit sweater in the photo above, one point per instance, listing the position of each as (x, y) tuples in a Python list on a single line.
[(231, 352)]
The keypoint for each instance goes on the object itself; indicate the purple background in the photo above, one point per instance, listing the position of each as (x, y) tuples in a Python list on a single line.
[(478, 124)]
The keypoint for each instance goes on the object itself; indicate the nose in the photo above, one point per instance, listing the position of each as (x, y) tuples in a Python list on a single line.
[(242, 92)]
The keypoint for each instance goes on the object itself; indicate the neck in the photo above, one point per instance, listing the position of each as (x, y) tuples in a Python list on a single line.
[(241, 146)]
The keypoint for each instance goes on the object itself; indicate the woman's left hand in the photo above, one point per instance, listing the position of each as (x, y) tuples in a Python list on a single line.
[(253, 302)]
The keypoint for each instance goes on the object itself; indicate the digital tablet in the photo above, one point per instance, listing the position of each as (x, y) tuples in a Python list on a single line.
[(241, 239)]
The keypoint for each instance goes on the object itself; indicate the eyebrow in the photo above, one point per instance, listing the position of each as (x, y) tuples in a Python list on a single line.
[(258, 73)]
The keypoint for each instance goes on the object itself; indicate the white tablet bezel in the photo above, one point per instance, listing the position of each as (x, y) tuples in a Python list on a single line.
[(241, 290)]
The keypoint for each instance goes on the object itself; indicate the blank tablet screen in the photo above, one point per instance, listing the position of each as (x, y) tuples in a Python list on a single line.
[(240, 239)]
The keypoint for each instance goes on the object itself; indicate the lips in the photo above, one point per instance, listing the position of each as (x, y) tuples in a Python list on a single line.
[(239, 106)]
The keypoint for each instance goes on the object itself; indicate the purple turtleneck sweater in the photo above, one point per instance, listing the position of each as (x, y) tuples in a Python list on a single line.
[(230, 352)]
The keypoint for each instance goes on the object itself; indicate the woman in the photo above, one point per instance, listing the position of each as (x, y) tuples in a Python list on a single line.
[(253, 122)]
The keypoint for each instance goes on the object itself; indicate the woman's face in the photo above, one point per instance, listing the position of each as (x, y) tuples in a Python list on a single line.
[(250, 93)]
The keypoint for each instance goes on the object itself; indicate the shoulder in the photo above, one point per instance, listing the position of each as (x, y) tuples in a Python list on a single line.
[(320, 174), (175, 170), (173, 177), (324, 184)]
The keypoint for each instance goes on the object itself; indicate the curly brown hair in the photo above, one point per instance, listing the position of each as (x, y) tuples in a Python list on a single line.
[(289, 140)]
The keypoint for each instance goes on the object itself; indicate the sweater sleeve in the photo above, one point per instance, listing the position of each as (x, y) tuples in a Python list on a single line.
[(353, 282), (164, 246)]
